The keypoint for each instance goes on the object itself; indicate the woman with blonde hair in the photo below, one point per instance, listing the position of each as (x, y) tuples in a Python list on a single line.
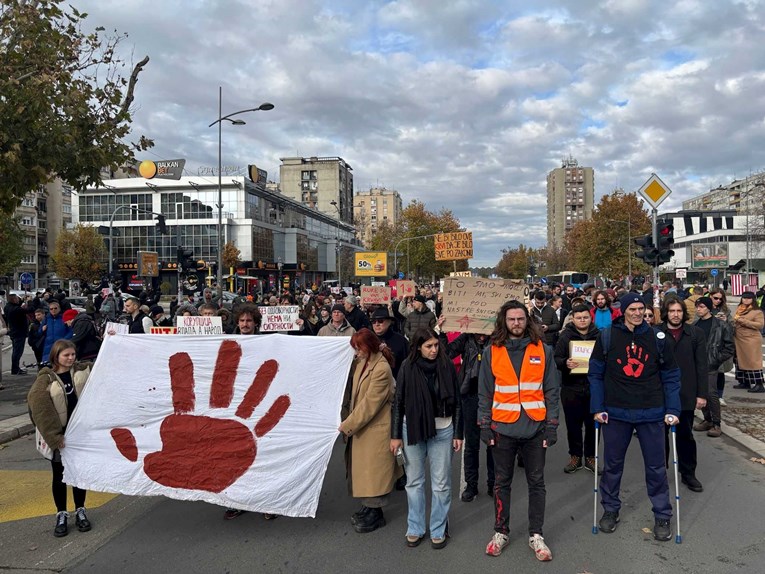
[(52, 400)]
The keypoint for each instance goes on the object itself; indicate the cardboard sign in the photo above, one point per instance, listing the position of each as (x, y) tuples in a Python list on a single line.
[(405, 288), (163, 330), (375, 295), (452, 246), (580, 351), (199, 325), (280, 318), (471, 304)]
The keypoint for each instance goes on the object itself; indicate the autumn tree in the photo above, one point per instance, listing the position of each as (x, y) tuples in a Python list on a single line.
[(65, 107), (78, 254), (12, 245), (553, 259), (515, 263), (604, 244), (231, 255)]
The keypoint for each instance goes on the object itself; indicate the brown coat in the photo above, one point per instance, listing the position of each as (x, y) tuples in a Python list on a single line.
[(370, 466), (746, 333)]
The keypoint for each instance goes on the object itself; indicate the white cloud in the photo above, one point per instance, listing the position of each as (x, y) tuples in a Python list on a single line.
[(466, 104)]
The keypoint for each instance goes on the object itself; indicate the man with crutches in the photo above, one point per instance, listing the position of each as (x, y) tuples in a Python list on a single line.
[(634, 386)]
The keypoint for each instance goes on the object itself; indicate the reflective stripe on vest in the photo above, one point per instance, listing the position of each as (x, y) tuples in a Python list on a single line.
[(510, 393)]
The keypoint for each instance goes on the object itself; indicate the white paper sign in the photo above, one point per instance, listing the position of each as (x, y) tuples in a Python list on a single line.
[(116, 328), (198, 325), (279, 318), (231, 420)]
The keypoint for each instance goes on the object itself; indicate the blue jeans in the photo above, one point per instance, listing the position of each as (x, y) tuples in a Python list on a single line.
[(439, 450)]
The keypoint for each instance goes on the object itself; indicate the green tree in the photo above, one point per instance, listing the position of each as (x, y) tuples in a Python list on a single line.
[(65, 108), (12, 242), (78, 254)]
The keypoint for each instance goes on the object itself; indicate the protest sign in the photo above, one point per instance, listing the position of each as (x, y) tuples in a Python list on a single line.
[(163, 330), (453, 246), (580, 351), (197, 325), (375, 295), (280, 318), (115, 329), (229, 420), (470, 304), (405, 288)]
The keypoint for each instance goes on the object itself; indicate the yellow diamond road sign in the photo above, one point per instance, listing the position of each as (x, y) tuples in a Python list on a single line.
[(654, 191)]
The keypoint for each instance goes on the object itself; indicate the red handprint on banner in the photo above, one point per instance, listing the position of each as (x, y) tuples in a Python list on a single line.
[(201, 452), (636, 361)]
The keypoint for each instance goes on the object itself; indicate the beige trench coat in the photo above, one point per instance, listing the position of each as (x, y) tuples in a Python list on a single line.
[(371, 467), (748, 339)]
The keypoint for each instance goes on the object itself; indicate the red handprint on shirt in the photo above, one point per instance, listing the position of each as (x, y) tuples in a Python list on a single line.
[(636, 360), (201, 452)]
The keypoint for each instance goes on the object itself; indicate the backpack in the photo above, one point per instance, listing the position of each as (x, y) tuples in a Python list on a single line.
[(605, 342)]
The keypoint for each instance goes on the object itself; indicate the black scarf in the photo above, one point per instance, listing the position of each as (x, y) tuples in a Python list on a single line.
[(428, 384)]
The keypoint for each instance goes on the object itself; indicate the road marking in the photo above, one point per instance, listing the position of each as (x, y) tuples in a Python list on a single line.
[(26, 494)]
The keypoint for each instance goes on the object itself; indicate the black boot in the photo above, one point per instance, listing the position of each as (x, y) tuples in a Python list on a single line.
[(62, 526), (359, 514), (758, 388), (370, 522)]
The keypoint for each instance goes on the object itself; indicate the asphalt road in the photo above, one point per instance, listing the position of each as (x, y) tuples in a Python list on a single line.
[(722, 528)]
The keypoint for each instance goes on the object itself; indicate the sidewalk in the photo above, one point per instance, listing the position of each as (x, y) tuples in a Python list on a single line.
[(14, 416)]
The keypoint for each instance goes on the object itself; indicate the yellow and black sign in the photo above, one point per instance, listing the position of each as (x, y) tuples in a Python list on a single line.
[(453, 246), (371, 264)]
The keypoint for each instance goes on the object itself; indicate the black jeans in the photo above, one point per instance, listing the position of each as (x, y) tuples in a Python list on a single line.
[(576, 408), (712, 411), (686, 444), (473, 445), (59, 489), (18, 350), (505, 450)]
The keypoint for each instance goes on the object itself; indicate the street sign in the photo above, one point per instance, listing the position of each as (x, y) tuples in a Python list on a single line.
[(400, 274), (25, 278), (460, 274), (654, 191), (681, 273), (713, 272)]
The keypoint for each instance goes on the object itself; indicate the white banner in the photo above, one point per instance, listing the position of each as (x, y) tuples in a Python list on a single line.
[(279, 318), (232, 420), (198, 325)]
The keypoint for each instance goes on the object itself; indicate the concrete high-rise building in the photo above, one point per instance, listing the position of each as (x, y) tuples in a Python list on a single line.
[(323, 183), (570, 199), (373, 207), (743, 195)]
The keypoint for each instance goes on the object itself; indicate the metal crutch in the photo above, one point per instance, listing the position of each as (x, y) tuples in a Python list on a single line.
[(678, 538), (595, 488)]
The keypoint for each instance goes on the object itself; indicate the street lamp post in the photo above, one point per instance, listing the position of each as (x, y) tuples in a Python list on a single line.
[(395, 251), (265, 106), (279, 265), (333, 203)]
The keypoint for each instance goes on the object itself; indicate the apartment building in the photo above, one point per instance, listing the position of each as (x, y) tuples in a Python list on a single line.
[(321, 183), (570, 199), (373, 207)]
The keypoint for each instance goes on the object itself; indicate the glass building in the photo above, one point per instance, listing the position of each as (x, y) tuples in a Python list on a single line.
[(267, 228)]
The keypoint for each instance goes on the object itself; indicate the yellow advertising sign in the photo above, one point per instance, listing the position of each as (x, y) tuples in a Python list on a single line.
[(371, 264), (452, 246)]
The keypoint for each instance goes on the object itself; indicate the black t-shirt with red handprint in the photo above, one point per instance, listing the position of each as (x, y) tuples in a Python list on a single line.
[(632, 370)]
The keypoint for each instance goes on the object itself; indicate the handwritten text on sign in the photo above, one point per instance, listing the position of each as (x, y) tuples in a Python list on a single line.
[(375, 295), (471, 304), (199, 325), (405, 288), (282, 318), (451, 246)]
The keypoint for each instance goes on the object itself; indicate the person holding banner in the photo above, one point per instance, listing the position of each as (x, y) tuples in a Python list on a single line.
[(427, 423), (52, 400), (370, 467)]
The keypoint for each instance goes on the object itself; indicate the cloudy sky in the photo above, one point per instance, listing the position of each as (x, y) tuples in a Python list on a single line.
[(463, 104)]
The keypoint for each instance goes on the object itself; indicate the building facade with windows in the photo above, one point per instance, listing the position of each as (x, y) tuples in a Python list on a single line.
[(322, 183), (372, 208), (269, 229), (570, 199), (742, 195)]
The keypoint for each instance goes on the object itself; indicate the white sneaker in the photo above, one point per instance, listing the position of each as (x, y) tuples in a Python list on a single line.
[(542, 552), (723, 403), (497, 543)]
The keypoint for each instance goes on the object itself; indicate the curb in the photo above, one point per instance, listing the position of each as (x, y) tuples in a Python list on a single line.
[(15, 427), (741, 438)]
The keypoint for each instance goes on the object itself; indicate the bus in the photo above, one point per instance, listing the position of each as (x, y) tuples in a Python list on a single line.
[(575, 278)]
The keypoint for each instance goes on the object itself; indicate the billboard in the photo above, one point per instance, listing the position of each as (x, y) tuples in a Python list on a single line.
[(709, 255), (169, 169), (453, 246), (371, 264)]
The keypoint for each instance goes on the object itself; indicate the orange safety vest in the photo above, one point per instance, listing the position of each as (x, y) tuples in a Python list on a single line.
[(510, 394)]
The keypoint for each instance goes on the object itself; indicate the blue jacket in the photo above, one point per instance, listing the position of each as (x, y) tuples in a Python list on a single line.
[(668, 372), (56, 330)]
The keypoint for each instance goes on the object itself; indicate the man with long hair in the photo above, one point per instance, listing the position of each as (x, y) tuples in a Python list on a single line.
[(518, 396)]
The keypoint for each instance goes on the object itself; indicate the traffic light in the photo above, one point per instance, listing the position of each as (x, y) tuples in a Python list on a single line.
[(665, 233), (186, 259), (649, 253), (161, 225)]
